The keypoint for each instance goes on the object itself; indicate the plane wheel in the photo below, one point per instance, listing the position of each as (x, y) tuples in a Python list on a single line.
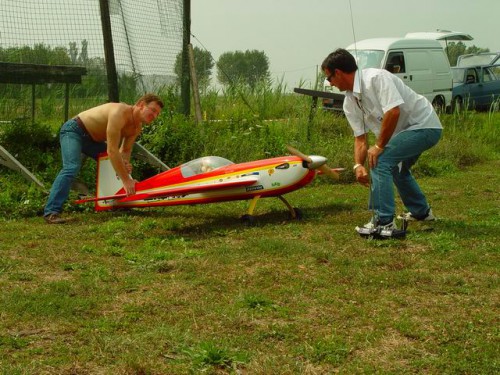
[(248, 220), (298, 213)]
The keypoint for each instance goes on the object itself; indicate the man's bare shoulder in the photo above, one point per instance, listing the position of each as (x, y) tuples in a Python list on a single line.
[(105, 109), (110, 115)]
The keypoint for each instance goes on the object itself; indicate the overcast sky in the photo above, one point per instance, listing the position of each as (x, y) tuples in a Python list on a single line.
[(296, 35)]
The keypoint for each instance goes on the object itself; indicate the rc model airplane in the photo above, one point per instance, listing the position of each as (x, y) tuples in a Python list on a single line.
[(212, 179)]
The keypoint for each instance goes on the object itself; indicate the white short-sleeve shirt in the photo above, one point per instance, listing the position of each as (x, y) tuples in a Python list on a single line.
[(375, 92)]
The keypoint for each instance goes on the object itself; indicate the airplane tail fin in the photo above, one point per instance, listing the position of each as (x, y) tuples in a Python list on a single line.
[(108, 183)]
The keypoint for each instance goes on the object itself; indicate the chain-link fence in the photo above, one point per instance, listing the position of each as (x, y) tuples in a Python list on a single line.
[(36, 35)]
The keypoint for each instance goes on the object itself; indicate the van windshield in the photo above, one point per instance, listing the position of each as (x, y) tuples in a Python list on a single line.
[(367, 58)]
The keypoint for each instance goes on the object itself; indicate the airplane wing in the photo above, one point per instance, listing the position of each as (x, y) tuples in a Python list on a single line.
[(168, 192)]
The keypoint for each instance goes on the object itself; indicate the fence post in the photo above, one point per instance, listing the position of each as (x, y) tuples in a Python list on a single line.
[(109, 53), (194, 82), (186, 36)]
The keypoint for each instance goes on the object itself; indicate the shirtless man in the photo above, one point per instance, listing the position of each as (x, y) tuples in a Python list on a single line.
[(111, 127)]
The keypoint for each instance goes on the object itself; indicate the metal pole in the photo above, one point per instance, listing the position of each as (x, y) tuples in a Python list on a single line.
[(66, 102), (186, 40), (109, 53), (194, 81), (33, 103)]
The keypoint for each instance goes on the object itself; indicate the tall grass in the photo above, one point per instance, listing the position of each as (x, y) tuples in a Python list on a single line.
[(240, 125)]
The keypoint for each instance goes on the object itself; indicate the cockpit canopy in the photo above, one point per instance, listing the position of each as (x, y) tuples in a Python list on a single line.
[(203, 165)]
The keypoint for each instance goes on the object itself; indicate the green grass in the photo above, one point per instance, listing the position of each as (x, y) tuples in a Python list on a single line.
[(191, 290)]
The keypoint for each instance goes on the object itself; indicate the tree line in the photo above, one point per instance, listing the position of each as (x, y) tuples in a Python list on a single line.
[(247, 68), (250, 68), (235, 68)]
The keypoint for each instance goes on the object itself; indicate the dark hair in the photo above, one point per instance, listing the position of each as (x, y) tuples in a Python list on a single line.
[(340, 59), (148, 98)]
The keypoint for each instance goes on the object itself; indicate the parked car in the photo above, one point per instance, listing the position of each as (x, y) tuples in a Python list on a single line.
[(476, 87)]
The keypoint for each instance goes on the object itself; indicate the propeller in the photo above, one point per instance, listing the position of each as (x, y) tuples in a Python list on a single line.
[(318, 163), (296, 152)]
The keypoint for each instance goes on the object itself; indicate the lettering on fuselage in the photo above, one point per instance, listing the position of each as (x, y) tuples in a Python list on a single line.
[(254, 188), (169, 198)]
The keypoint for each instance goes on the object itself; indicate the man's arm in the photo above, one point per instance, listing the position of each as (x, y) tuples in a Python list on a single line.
[(360, 152), (116, 121), (126, 151), (389, 123)]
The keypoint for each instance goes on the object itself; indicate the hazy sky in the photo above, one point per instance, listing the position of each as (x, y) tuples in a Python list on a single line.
[(297, 35)]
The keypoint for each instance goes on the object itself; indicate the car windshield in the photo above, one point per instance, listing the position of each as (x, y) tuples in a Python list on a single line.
[(368, 58), (203, 165)]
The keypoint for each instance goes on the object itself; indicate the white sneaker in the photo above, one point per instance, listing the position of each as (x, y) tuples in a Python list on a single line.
[(373, 224), (408, 216), (375, 230)]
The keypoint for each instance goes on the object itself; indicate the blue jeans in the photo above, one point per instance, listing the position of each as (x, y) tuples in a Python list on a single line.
[(74, 141), (393, 165)]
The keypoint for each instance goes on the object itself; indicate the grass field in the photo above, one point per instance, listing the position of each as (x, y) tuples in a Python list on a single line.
[(191, 290)]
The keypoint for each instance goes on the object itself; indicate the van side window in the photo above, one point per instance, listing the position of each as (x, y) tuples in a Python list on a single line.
[(395, 63)]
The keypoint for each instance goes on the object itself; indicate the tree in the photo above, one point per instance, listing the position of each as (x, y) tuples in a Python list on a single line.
[(73, 52), (248, 68), (84, 55), (203, 64), (454, 50)]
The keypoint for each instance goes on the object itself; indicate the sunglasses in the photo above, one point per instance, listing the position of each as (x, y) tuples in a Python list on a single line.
[(329, 78)]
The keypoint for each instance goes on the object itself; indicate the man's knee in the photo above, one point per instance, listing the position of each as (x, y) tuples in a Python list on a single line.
[(71, 170)]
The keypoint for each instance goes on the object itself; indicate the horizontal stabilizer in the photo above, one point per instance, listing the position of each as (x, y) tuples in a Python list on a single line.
[(186, 190), (95, 199), (168, 192)]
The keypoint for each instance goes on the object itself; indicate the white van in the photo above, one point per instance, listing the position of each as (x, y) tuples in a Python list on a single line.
[(421, 63)]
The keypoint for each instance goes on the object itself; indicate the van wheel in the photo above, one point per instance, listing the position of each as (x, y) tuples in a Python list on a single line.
[(438, 104)]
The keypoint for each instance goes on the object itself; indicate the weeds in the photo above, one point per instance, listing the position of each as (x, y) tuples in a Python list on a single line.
[(190, 290)]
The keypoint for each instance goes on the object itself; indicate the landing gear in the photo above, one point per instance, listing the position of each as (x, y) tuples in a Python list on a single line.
[(298, 214), (294, 212), (249, 219)]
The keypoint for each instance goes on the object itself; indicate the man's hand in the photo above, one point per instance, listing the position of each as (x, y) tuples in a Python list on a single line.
[(362, 175), (129, 186), (373, 153)]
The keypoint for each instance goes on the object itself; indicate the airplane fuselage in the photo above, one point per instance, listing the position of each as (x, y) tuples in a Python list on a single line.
[(264, 178)]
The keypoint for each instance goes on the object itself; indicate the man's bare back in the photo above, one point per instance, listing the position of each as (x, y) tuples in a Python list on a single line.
[(117, 115)]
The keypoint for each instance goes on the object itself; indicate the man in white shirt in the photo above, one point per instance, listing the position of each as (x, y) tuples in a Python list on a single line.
[(405, 125)]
